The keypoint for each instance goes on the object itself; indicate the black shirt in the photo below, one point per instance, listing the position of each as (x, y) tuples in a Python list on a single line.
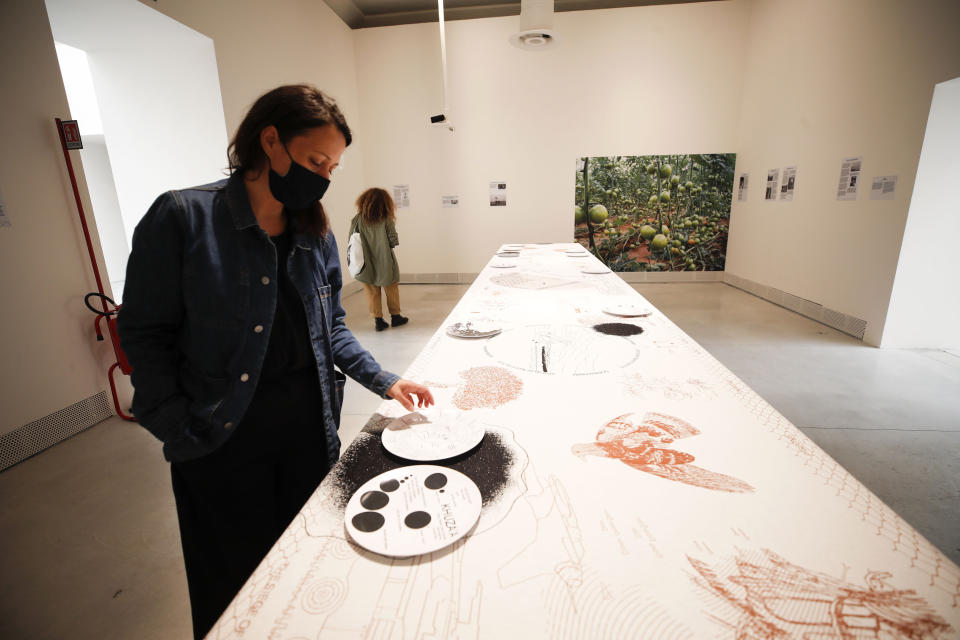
[(289, 350)]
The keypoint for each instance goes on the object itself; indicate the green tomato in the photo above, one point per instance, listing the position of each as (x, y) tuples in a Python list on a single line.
[(598, 213)]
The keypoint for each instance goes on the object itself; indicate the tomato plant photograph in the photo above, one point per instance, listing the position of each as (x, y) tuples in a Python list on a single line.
[(655, 213)]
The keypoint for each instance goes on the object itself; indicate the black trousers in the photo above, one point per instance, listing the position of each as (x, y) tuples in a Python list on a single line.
[(234, 503)]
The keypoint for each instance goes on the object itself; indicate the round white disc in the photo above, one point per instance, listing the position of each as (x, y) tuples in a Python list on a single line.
[(412, 510), (432, 434)]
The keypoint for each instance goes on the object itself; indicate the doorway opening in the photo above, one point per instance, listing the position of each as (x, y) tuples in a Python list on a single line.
[(145, 91)]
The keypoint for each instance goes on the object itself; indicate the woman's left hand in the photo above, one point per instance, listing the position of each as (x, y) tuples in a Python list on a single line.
[(403, 391)]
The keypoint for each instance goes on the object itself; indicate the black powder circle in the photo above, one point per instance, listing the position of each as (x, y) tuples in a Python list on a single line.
[(417, 520), (367, 521), (488, 464), (618, 329), (390, 485), (374, 500), (435, 481)]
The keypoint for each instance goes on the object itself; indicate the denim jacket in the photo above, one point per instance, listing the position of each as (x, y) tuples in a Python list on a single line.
[(198, 307)]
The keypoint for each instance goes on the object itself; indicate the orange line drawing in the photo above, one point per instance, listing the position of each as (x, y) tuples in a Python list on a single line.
[(641, 446), (487, 387), (643, 385), (903, 538), (770, 597)]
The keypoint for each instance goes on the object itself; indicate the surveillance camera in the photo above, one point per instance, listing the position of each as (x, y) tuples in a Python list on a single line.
[(441, 120)]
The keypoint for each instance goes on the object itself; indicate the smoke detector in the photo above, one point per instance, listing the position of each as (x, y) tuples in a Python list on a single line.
[(536, 26)]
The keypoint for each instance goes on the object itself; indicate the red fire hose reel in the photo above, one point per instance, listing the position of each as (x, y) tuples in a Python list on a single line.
[(70, 139)]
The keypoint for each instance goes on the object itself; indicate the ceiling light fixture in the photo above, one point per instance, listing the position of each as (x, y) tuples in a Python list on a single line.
[(536, 26)]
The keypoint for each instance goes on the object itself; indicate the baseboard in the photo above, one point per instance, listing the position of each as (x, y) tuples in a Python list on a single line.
[(850, 325), (32, 438)]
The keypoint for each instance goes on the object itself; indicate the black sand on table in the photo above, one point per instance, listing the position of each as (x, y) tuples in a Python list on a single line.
[(618, 329), (487, 464)]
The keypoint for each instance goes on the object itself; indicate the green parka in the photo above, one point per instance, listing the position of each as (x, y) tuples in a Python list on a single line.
[(379, 264)]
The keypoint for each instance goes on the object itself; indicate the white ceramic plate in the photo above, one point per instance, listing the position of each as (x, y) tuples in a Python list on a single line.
[(628, 309), (576, 254), (502, 265), (412, 510), (597, 270), (476, 328), (432, 434)]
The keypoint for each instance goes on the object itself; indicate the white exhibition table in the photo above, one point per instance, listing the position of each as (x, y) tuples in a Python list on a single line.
[(633, 488)]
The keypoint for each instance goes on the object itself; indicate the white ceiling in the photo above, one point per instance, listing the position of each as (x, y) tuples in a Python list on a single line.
[(381, 13)]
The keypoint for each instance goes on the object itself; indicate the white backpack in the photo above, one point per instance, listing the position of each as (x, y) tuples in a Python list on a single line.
[(354, 254)]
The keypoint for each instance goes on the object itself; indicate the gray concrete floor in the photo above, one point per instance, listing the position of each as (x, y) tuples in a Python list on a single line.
[(89, 531)]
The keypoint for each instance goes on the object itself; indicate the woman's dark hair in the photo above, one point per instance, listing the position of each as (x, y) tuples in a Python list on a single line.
[(376, 205), (293, 109)]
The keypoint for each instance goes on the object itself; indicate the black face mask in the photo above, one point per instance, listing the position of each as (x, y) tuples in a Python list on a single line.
[(300, 188)]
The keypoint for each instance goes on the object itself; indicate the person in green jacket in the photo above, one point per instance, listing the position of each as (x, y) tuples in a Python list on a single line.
[(374, 221)]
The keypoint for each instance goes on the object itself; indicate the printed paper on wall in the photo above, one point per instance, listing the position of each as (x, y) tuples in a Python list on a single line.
[(401, 195), (883, 187), (498, 194), (789, 184), (773, 177), (849, 178)]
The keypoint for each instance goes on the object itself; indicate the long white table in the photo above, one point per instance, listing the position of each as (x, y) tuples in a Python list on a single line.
[(633, 488)]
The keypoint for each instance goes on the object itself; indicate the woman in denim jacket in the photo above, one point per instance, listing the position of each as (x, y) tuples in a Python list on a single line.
[(233, 324)]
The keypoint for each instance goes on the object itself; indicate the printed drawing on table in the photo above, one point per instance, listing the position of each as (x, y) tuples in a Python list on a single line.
[(765, 596), (646, 445)]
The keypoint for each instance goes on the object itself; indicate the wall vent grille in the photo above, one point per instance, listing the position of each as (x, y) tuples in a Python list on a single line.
[(848, 324), (32, 438)]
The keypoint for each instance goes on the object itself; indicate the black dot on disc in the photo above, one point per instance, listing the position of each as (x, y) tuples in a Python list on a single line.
[(435, 481), (417, 519), (390, 485), (367, 521), (374, 500), (442, 490)]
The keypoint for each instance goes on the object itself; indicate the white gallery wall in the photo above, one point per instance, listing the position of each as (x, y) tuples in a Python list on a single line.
[(826, 80), (632, 81), (925, 303), (261, 45), (50, 358), (158, 92)]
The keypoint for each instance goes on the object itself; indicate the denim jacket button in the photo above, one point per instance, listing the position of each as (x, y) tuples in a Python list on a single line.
[(228, 425), (258, 328), (244, 377), (265, 280)]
